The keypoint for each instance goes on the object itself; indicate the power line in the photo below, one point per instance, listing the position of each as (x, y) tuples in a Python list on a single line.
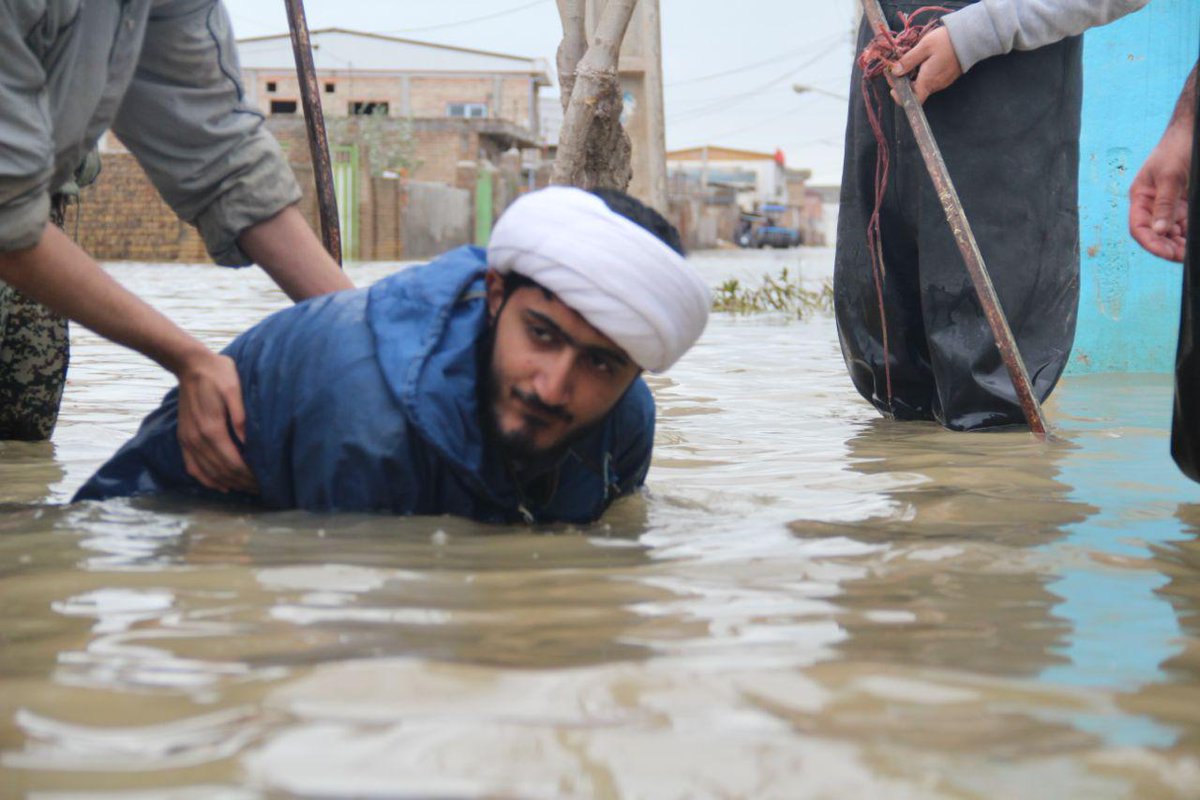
[(470, 21), (774, 59), (716, 136), (725, 102)]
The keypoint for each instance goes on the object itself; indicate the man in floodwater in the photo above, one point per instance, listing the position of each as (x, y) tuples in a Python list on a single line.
[(501, 385)]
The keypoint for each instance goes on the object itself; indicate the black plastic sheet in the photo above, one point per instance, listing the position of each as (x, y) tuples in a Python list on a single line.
[(1185, 426)]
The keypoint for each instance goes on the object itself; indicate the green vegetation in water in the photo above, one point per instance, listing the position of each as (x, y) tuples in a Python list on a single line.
[(781, 293)]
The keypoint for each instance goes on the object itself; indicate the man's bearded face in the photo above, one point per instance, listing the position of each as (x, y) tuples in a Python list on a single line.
[(552, 375)]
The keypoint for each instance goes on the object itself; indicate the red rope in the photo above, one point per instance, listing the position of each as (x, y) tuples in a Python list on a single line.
[(875, 60)]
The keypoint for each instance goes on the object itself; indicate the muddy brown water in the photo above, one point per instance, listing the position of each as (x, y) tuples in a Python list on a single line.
[(807, 602)]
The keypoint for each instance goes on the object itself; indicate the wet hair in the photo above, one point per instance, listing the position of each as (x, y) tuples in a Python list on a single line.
[(631, 209)]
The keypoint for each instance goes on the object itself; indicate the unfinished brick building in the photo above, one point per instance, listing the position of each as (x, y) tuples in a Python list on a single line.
[(460, 125)]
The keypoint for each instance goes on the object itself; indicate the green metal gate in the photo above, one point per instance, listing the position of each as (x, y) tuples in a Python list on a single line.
[(483, 207), (345, 186)]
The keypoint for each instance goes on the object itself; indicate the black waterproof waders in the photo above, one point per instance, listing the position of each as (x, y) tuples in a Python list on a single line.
[(1009, 132)]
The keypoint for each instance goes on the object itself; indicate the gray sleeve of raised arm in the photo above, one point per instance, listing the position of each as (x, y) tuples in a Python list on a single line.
[(26, 140), (993, 27), (185, 119)]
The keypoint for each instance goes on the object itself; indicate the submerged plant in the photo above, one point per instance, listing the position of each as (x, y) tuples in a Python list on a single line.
[(781, 293)]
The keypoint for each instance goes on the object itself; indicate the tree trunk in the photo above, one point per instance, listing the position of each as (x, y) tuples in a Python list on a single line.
[(593, 149), (572, 47)]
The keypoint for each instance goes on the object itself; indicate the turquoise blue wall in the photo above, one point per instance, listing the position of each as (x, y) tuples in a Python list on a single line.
[(1129, 300)]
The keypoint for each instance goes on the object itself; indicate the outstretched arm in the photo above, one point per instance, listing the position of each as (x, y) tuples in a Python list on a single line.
[(1158, 206), (187, 119), (58, 274), (287, 249)]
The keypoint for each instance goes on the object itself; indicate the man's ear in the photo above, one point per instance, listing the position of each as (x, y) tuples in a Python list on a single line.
[(495, 292)]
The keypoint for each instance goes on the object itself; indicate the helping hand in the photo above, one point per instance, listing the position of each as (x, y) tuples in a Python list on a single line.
[(210, 398), (1158, 206), (935, 55)]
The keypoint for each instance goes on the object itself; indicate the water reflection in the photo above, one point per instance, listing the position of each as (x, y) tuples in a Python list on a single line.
[(400, 728), (27, 470), (1121, 629), (1175, 699), (960, 586), (808, 602), (1025, 561)]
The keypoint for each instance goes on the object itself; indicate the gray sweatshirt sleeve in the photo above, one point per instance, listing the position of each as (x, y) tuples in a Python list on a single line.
[(184, 118), (994, 27), (26, 140)]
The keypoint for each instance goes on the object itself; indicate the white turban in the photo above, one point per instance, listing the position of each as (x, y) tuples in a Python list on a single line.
[(621, 278)]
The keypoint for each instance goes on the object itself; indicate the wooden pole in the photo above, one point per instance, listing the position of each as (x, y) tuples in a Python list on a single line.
[(314, 121), (963, 236)]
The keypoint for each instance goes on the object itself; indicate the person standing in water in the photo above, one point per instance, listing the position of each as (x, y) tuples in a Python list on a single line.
[(1164, 216), (1001, 83), (163, 75)]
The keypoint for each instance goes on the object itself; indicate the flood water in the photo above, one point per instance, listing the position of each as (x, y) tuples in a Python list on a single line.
[(808, 601)]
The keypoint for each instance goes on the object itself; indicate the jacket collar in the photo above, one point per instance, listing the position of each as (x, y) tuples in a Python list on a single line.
[(428, 322)]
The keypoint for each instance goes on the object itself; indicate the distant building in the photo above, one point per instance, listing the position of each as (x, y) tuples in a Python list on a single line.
[(756, 178), (460, 126), (486, 103), (551, 121), (361, 73), (830, 196), (712, 186)]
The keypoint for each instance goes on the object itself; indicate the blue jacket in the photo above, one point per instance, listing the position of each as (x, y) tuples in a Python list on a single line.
[(366, 400)]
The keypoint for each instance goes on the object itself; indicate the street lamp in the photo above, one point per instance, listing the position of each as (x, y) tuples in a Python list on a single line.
[(800, 88)]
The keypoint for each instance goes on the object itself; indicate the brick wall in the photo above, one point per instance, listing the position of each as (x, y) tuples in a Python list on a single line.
[(121, 218), (440, 146), (507, 97), (386, 223)]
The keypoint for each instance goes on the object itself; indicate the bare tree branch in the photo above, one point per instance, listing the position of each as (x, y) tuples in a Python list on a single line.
[(593, 148), (572, 47)]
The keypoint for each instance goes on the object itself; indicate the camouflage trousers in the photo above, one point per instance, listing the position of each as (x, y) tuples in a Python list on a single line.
[(34, 351)]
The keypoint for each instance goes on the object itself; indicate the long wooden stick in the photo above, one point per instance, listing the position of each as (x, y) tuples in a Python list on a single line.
[(314, 121), (963, 236)]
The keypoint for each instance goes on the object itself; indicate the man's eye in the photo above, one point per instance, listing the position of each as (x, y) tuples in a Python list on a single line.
[(541, 333), (601, 364)]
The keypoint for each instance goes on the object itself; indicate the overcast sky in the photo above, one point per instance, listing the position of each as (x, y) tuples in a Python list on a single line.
[(728, 65)]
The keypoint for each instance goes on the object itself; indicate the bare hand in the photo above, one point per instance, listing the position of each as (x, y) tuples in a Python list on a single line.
[(938, 63), (1158, 197), (210, 398)]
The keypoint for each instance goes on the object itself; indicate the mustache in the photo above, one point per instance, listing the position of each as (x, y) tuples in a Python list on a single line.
[(532, 401)]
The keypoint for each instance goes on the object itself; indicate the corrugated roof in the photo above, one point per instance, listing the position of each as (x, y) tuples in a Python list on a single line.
[(340, 50)]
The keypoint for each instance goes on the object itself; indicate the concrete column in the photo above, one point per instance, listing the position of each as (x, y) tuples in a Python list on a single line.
[(405, 96), (655, 137)]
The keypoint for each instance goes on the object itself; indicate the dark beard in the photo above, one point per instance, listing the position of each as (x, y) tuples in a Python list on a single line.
[(518, 447)]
